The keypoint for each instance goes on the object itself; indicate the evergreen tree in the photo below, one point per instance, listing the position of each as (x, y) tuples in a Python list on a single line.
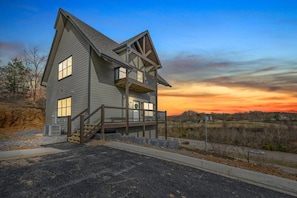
[(16, 75)]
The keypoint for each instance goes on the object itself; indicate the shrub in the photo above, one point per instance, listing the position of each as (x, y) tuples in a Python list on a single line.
[(281, 148), (267, 147)]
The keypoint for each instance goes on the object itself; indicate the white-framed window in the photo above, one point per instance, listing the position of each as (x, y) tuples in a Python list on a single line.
[(148, 106), (140, 76), (64, 107), (122, 72), (65, 68)]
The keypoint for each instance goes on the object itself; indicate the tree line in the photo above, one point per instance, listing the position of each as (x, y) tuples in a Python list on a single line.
[(21, 77), (253, 116)]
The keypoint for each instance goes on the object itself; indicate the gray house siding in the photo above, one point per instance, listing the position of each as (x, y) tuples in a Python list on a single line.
[(103, 90), (76, 85)]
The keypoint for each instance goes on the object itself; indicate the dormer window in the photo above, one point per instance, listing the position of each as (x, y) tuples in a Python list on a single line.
[(140, 76)]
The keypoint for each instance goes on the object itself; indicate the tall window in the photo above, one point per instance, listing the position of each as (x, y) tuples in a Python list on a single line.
[(122, 72), (65, 68), (64, 107), (148, 106), (140, 76)]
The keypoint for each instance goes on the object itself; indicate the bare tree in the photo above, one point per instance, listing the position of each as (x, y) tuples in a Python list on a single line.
[(35, 62)]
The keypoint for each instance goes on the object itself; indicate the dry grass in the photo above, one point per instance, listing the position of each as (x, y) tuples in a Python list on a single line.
[(257, 167)]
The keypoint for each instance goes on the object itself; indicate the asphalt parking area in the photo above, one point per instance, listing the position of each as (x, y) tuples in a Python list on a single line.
[(87, 171)]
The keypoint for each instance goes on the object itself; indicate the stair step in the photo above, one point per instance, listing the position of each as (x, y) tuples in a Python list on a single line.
[(74, 139), (76, 135)]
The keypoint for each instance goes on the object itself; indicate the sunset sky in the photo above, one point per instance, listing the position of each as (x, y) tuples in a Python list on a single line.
[(219, 56)]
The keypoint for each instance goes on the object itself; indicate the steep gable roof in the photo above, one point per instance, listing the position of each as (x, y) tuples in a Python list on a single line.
[(144, 41), (101, 44)]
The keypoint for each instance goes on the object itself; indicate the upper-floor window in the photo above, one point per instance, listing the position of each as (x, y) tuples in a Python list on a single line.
[(140, 76), (122, 72), (64, 107), (65, 68)]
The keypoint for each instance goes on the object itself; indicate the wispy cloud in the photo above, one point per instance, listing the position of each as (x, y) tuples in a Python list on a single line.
[(265, 74), (10, 50)]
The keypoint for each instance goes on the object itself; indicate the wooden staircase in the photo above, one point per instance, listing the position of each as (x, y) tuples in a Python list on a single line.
[(88, 131)]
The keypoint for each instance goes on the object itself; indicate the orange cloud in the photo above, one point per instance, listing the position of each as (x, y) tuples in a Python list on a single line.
[(204, 97)]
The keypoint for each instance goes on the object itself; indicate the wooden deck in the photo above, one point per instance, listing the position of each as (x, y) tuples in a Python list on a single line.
[(87, 130), (116, 125)]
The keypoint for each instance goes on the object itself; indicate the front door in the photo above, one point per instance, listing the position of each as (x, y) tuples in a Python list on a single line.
[(136, 112)]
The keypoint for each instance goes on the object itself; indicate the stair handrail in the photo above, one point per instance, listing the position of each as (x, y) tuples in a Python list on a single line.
[(95, 111), (70, 120), (74, 118), (85, 138)]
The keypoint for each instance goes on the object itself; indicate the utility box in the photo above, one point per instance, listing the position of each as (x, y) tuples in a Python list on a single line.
[(52, 130)]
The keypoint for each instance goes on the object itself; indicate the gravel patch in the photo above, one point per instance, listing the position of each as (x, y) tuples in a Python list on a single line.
[(171, 144), (32, 138)]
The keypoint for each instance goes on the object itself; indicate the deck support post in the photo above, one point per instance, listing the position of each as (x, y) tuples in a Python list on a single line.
[(102, 122), (127, 101), (82, 127), (143, 123)]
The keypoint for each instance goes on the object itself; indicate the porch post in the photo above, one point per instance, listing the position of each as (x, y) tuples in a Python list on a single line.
[(143, 122), (156, 92), (127, 102)]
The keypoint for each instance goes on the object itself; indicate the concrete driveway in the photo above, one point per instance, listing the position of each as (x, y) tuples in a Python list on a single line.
[(87, 171)]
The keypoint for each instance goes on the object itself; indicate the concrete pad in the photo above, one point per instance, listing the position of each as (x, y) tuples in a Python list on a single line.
[(268, 181), (28, 152)]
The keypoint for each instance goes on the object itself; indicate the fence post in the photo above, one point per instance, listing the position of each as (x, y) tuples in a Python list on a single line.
[(165, 125), (157, 125), (102, 122), (68, 126), (82, 127)]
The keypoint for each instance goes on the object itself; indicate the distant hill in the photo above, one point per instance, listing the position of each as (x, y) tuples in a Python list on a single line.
[(190, 115)]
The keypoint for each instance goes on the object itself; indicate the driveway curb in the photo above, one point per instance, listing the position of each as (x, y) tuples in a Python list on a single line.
[(264, 180), (4, 155)]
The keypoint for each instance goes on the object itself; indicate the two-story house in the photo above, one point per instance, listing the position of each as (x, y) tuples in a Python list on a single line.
[(91, 77)]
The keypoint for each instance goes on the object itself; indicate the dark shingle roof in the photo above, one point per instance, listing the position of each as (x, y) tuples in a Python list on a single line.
[(103, 44)]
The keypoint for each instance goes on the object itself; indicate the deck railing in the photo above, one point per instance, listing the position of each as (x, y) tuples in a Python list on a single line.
[(107, 114)]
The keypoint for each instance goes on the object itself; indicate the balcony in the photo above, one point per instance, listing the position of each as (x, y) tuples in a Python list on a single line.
[(136, 81)]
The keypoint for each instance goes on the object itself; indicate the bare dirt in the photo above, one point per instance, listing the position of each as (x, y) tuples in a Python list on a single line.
[(14, 119), (257, 167)]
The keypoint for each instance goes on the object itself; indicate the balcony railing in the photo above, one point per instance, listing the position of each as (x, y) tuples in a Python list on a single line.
[(139, 81)]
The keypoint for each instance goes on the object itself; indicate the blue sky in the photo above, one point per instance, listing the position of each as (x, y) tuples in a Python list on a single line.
[(242, 45)]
